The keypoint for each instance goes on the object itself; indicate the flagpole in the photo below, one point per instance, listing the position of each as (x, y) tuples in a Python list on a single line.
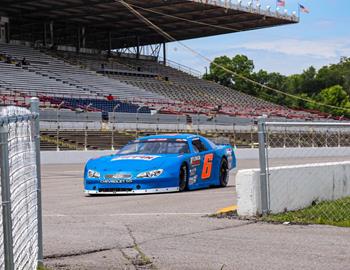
[(299, 11)]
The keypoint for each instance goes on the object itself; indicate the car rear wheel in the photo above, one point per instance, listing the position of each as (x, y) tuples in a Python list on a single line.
[(223, 173), (183, 178)]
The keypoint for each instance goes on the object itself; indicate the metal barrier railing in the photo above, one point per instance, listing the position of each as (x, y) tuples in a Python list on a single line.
[(20, 188), (317, 153)]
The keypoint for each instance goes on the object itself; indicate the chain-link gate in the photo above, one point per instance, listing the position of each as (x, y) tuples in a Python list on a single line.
[(21, 219), (311, 159)]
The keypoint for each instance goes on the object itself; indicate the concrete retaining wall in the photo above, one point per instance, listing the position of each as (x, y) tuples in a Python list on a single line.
[(293, 187), (304, 152), (71, 157)]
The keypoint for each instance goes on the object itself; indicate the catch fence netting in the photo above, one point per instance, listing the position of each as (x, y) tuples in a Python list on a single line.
[(22, 179), (308, 172)]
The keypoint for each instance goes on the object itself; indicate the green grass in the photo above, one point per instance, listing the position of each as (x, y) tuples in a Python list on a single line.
[(42, 267), (336, 213)]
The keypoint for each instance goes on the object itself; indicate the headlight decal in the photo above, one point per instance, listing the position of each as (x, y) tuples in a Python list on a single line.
[(150, 174), (93, 174)]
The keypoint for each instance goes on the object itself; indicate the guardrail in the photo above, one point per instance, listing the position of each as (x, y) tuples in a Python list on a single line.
[(183, 68)]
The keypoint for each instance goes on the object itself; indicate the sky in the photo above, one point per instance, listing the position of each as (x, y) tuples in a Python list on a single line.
[(320, 38)]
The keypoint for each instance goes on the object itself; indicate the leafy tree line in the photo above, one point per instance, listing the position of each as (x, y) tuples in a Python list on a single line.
[(329, 85)]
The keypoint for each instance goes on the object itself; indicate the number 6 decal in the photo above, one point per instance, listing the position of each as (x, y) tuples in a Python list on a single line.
[(207, 166)]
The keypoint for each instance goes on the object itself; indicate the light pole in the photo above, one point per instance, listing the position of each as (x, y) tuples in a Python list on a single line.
[(86, 125), (113, 128), (137, 120), (58, 125)]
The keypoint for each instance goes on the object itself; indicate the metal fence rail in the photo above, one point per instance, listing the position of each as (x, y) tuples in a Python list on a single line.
[(323, 180), (21, 234)]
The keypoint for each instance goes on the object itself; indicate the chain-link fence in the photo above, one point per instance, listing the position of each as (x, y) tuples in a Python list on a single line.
[(305, 171), (21, 234)]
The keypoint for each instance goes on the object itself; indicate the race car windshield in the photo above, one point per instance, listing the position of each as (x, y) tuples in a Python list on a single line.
[(155, 147)]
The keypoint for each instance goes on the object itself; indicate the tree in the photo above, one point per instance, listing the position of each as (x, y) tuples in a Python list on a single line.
[(240, 64), (329, 85), (334, 96), (309, 83), (273, 80)]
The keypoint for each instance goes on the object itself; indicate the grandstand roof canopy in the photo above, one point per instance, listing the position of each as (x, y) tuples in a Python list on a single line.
[(101, 17)]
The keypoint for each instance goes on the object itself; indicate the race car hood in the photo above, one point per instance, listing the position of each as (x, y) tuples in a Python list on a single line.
[(135, 163)]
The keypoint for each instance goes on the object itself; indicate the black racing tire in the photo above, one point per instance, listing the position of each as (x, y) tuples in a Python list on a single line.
[(224, 174), (183, 178)]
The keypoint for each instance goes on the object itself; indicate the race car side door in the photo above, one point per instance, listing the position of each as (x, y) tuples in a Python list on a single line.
[(205, 171)]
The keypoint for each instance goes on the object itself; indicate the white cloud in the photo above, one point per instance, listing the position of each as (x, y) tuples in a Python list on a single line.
[(297, 47)]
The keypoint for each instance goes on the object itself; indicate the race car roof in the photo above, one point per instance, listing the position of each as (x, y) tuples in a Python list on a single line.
[(169, 136), (109, 20)]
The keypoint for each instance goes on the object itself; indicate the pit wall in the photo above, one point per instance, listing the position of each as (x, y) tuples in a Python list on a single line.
[(77, 157), (71, 157), (299, 187)]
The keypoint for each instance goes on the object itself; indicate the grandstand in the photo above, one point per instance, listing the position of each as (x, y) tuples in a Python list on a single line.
[(148, 82), (49, 75), (91, 56)]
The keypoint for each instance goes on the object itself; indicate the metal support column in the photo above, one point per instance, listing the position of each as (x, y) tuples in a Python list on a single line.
[(109, 43), (83, 37), (164, 54), (78, 40), (44, 36), (6, 198), (138, 47), (263, 166), (34, 108), (7, 32), (51, 34)]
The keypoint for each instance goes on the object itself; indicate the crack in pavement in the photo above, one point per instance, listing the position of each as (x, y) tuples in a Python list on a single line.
[(140, 261), (80, 253), (199, 232), (133, 253)]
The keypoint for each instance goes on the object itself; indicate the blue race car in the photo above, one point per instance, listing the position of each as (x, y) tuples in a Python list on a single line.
[(161, 163)]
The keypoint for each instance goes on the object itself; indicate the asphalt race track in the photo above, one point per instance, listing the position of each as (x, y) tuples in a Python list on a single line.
[(172, 231)]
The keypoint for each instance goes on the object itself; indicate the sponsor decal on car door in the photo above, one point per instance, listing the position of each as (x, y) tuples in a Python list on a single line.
[(207, 158)]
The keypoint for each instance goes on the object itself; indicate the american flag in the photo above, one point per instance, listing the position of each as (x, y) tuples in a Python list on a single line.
[(303, 9), (281, 3)]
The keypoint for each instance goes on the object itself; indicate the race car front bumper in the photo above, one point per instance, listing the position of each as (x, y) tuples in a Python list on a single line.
[(131, 186), (111, 191)]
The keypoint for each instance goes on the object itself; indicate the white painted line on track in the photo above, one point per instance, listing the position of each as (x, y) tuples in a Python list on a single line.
[(129, 214)]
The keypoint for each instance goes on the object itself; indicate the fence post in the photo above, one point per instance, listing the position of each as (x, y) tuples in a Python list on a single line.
[(178, 123), (6, 198), (263, 165), (34, 108), (251, 138), (234, 134), (86, 131), (197, 123), (58, 129)]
